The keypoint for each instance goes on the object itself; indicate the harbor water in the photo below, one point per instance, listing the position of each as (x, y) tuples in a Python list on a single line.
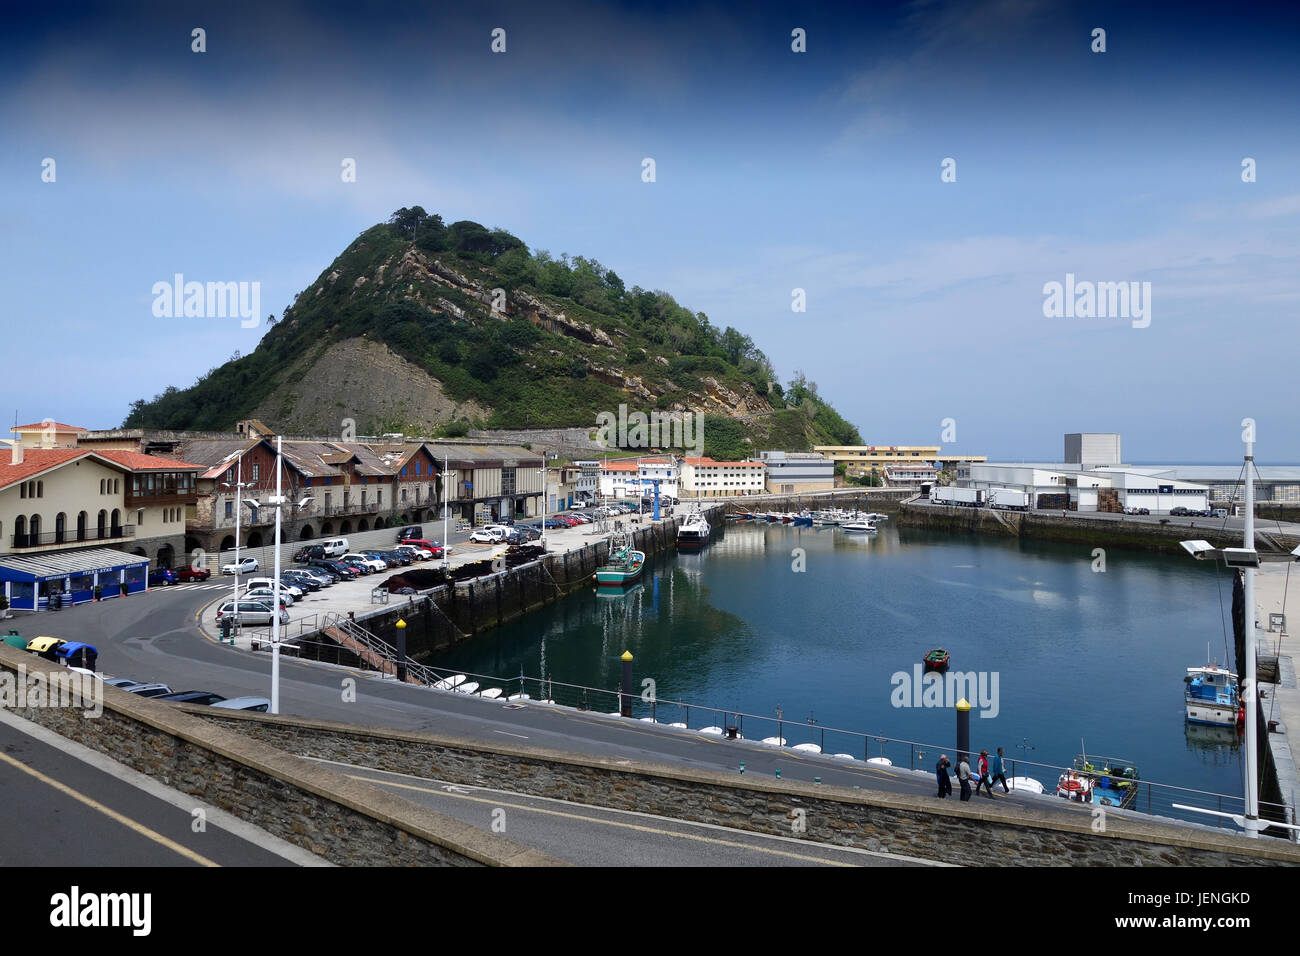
[(1075, 649)]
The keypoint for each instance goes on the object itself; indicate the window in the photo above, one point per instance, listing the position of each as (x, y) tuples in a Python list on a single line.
[(40, 489), (230, 509), (22, 489), (257, 471)]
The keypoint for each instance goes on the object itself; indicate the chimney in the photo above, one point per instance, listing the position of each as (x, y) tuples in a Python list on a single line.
[(16, 453)]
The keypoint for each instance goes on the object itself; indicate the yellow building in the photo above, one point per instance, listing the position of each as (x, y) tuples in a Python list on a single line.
[(862, 459)]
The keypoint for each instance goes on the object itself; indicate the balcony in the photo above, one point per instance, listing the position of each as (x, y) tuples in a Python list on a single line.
[(46, 539)]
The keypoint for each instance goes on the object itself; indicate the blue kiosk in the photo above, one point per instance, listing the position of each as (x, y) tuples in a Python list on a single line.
[(70, 577)]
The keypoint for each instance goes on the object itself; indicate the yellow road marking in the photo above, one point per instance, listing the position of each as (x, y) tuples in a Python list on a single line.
[(110, 813), (610, 823)]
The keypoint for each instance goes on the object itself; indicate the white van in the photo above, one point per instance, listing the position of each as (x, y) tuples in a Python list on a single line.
[(336, 547)]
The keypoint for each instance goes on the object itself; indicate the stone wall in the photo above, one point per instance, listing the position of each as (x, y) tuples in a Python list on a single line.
[(345, 821), (946, 831)]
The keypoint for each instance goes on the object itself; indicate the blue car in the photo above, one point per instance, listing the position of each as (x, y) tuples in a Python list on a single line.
[(161, 576)]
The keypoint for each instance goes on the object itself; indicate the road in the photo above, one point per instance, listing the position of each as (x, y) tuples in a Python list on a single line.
[(597, 836), (83, 809), (154, 636)]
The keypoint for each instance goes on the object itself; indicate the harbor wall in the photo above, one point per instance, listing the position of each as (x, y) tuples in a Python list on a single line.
[(1080, 528), (946, 831), (344, 821), (452, 613)]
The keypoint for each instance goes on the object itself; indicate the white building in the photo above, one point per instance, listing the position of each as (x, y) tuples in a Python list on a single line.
[(636, 477), (797, 472), (1107, 488), (587, 486), (707, 478)]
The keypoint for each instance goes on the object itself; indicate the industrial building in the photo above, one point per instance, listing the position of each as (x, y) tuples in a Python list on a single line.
[(797, 472)]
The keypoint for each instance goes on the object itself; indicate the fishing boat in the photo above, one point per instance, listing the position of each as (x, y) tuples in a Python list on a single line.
[(624, 566), (1212, 698), (694, 532), (936, 660), (1109, 781), (803, 519)]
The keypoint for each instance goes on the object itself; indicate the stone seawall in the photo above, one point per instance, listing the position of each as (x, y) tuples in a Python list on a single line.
[(342, 820), (452, 613), (1078, 528), (946, 831)]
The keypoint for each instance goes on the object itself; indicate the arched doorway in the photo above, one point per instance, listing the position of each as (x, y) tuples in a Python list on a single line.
[(116, 528), (379, 522), (34, 529), (82, 520), (228, 543), (363, 525), (60, 527), (166, 556), (255, 539), (327, 529), (305, 534), (345, 528), (192, 545), (20, 532), (101, 526)]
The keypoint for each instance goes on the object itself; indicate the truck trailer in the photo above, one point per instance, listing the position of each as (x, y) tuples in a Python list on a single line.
[(1008, 499), (964, 497)]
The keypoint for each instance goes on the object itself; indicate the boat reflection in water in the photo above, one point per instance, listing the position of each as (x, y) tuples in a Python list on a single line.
[(1219, 746)]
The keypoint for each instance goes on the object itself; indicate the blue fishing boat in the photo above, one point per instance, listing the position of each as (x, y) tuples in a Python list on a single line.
[(1212, 697)]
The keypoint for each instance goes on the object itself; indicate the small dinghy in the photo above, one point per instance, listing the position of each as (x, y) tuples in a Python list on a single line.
[(1027, 784), (843, 757), (773, 741), (491, 693), (936, 660), (467, 688), (450, 683), (711, 731), (880, 761), (807, 748)]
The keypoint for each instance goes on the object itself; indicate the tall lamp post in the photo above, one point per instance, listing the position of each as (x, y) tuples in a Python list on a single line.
[(446, 511), (238, 485), (1248, 560)]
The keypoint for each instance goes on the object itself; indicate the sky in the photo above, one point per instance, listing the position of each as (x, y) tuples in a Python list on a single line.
[(775, 171)]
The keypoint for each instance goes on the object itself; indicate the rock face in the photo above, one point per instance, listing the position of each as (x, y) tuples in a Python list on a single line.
[(367, 382), (538, 313)]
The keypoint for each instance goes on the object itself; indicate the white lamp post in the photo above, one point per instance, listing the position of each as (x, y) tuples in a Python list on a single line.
[(1248, 559), (445, 511), (239, 508)]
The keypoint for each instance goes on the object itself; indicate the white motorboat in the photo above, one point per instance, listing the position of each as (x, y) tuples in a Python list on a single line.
[(1027, 784), (859, 527), (694, 532)]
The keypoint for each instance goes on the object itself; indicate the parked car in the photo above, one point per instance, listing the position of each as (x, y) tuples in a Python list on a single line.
[(410, 531), (193, 697), (365, 560), (343, 572), (486, 536), (1218, 512), (336, 547), (529, 532), (191, 573), (260, 704), (266, 595), (242, 566), (433, 547), (161, 577), (148, 690), (250, 612), (269, 584), (313, 552), (415, 552), (122, 682), (321, 568), (1178, 512), (389, 560), (302, 580)]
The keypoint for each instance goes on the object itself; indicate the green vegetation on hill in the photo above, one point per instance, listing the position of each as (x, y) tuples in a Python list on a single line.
[(542, 341)]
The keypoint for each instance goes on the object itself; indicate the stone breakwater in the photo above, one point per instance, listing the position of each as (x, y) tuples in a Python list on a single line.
[(1081, 528)]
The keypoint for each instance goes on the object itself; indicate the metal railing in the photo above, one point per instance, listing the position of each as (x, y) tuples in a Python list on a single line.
[(72, 537)]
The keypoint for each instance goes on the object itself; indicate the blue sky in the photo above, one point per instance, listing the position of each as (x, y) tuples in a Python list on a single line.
[(775, 171)]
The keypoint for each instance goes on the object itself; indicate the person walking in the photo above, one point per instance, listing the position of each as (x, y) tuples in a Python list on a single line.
[(999, 772), (941, 772), (963, 776), (984, 780)]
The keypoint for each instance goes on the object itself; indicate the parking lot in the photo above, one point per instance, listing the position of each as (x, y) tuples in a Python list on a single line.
[(357, 596)]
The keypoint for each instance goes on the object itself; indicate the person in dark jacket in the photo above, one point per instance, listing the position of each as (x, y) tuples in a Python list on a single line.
[(963, 776), (999, 772), (941, 771)]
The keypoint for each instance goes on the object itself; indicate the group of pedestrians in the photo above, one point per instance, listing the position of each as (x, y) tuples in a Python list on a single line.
[(985, 776)]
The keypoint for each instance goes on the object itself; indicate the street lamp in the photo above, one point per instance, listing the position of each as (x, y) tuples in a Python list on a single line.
[(238, 485), (1248, 559)]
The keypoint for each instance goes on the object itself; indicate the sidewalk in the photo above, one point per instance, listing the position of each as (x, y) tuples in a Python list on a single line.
[(1272, 582)]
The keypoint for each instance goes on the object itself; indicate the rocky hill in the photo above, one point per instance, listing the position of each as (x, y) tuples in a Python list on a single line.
[(431, 329)]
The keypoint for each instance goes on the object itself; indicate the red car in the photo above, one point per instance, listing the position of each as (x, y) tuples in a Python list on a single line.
[(189, 573)]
